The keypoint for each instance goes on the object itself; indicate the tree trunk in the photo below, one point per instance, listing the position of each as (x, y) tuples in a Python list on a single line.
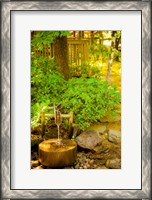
[(117, 43), (61, 55), (92, 38), (110, 61), (111, 57)]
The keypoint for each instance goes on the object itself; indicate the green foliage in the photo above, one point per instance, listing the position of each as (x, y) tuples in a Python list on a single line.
[(36, 112), (100, 51), (47, 83), (47, 37), (46, 64), (85, 70), (103, 51), (89, 99)]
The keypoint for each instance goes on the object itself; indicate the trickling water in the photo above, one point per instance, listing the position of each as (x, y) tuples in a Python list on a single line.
[(58, 135), (58, 121)]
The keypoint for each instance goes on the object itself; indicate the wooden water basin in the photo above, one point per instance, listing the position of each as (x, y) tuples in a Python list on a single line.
[(55, 155)]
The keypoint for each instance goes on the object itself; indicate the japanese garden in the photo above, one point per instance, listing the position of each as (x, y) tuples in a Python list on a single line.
[(76, 99)]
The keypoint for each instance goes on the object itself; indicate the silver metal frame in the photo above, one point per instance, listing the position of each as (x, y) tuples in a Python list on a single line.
[(144, 6)]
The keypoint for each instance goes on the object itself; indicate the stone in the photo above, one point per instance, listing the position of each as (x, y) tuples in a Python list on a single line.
[(113, 163), (113, 153), (89, 139), (34, 155), (111, 118), (77, 166), (76, 131), (114, 126), (36, 139), (104, 147), (102, 162), (97, 127), (39, 167), (114, 136), (35, 163), (103, 167)]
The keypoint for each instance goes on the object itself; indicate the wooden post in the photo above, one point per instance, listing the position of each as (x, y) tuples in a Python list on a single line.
[(42, 122), (70, 122)]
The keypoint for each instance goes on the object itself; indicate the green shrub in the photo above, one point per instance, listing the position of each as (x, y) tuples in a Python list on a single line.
[(103, 51), (36, 110), (46, 82), (47, 85), (85, 70), (100, 51), (89, 99)]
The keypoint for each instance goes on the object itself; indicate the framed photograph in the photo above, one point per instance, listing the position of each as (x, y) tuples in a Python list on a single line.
[(75, 80)]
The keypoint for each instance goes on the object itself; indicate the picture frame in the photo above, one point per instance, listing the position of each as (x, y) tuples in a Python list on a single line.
[(8, 117)]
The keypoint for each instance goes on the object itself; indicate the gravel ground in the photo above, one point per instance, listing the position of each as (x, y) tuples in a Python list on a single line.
[(84, 160)]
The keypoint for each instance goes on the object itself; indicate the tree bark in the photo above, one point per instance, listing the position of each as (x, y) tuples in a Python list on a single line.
[(111, 57), (110, 61), (117, 43), (92, 38), (61, 55)]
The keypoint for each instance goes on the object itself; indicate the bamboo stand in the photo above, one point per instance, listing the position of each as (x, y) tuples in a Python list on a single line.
[(44, 115)]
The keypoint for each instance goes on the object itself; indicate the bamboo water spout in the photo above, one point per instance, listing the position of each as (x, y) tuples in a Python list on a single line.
[(58, 121), (44, 115), (57, 152)]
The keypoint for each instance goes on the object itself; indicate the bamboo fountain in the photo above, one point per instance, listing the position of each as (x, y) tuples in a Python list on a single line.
[(57, 152)]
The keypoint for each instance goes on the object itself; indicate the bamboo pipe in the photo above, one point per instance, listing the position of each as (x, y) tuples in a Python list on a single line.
[(70, 122), (43, 115), (62, 115), (42, 122)]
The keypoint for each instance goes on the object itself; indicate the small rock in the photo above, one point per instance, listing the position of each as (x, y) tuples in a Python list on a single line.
[(34, 163), (114, 136), (39, 167), (114, 126), (81, 164), (91, 162), (36, 139), (113, 164), (104, 147), (76, 166), (102, 162), (110, 118), (34, 155), (95, 166), (76, 131), (103, 167)]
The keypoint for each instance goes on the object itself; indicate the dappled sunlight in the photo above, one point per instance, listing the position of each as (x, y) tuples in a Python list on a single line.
[(77, 73), (115, 74)]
